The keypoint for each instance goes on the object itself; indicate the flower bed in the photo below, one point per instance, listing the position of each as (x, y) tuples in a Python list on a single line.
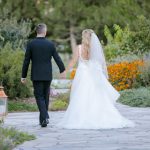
[(121, 75)]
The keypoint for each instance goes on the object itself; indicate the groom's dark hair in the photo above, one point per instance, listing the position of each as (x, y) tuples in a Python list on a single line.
[(40, 28)]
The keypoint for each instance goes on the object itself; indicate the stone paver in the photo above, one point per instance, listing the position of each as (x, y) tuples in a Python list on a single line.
[(53, 138)]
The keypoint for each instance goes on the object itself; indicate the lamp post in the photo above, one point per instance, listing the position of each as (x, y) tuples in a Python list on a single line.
[(3, 103)]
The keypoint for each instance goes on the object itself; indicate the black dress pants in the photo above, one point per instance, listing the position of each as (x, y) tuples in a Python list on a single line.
[(41, 93)]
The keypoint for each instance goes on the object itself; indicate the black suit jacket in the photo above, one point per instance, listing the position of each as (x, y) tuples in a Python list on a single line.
[(40, 51)]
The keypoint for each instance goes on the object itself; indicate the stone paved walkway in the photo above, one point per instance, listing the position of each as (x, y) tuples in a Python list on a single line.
[(52, 138)]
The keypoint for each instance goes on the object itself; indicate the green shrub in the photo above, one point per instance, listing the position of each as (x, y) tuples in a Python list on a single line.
[(140, 37), (10, 72), (126, 41), (136, 97), (115, 42), (6, 143), (13, 37), (58, 105), (144, 77), (21, 106), (60, 102), (10, 138), (13, 32), (126, 57)]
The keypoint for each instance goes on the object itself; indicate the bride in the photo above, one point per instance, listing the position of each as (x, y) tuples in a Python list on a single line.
[(92, 97)]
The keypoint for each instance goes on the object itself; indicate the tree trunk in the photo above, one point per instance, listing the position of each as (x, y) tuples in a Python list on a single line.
[(73, 41)]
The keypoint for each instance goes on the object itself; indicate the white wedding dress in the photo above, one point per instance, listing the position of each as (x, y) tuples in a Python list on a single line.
[(92, 100)]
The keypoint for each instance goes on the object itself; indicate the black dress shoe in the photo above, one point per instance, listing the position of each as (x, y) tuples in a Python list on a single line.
[(44, 123), (47, 121)]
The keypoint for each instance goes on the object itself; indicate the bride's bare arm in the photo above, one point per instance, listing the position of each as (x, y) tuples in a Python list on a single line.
[(74, 60)]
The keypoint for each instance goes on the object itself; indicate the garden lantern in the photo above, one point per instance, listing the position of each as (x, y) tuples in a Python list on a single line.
[(3, 103)]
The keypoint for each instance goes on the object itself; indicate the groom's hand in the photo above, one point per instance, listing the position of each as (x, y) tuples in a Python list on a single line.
[(63, 75), (23, 80)]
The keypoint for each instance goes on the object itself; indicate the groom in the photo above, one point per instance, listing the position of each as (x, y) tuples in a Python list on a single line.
[(40, 51)]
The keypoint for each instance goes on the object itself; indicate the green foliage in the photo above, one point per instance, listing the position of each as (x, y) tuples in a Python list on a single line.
[(138, 42), (136, 97), (11, 137), (124, 41), (144, 78), (115, 42), (6, 144), (13, 36), (23, 9), (66, 17), (21, 106), (58, 105), (126, 57), (13, 32), (60, 102), (10, 73), (71, 17)]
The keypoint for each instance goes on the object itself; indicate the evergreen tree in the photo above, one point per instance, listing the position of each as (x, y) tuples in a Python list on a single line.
[(67, 18)]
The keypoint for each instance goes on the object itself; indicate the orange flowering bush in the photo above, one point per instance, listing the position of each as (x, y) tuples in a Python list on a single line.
[(122, 75)]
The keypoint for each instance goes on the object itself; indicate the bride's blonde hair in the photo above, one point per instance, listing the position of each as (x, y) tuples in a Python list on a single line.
[(86, 38)]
